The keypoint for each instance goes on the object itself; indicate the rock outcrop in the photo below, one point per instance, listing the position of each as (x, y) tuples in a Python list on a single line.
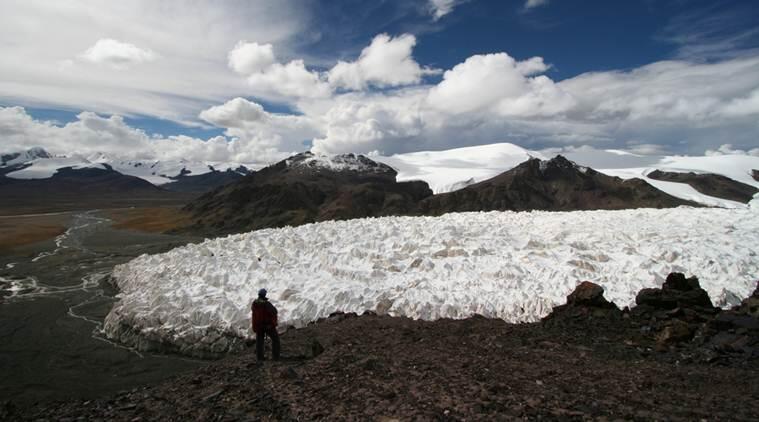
[(586, 301), (710, 184)]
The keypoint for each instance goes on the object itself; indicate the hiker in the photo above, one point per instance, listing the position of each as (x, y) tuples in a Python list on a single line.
[(264, 322)]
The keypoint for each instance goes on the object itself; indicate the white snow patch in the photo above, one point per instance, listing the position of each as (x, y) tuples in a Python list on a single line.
[(453, 169), (513, 266)]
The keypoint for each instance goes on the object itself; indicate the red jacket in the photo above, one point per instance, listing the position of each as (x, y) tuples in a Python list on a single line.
[(264, 315)]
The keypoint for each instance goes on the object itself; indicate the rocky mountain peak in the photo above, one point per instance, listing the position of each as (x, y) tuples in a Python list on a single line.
[(558, 165), (24, 156), (354, 163)]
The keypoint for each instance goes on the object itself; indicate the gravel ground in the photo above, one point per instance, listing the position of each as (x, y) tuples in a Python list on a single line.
[(583, 366)]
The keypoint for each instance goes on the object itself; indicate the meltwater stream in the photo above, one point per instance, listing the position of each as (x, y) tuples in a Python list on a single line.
[(53, 299)]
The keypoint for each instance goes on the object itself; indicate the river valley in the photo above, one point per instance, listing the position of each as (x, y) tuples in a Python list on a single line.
[(54, 295)]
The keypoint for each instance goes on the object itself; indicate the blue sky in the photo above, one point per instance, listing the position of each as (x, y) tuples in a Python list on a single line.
[(654, 68)]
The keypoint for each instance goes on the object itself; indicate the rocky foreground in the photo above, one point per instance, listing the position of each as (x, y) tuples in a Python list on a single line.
[(674, 357)]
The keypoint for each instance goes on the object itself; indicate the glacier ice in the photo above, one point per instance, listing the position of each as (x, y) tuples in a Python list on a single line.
[(513, 266)]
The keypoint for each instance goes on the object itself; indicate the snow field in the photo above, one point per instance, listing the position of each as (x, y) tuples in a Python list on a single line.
[(513, 266)]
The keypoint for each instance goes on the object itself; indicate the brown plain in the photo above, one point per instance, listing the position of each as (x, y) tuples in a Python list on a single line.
[(151, 220), (16, 231)]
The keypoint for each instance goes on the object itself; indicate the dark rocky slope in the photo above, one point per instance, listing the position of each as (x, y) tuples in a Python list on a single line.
[(85, 188), (303, 190), (555, 185), (588, 360), (710, 184)]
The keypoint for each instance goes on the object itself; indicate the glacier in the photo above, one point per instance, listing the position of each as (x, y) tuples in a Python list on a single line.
[(510, 265)]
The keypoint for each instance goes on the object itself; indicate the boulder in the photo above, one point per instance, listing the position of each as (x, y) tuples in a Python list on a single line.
[(677, 291), (675, 331), (588, 294), (586, 301), (677, 281)]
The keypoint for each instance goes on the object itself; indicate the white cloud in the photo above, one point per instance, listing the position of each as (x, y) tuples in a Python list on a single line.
[(291, 80), (440, 8), (687, 106), (727, 149), (497, 83), (248, 121), (743, 106), (250, 57), (192, 37), (703, 94), (234, 113), (117, 54), (387, 61), (531, 4), (92, 133), (367, 122)]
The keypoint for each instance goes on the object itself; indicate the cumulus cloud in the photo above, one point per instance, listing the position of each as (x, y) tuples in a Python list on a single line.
[(531, 4), (368, 122), (247, 120), (290, 80), (499, 84), (387, 61), (234, 113), (269, 78), (250, 57), (117, 54), (494, 97), (92, 133)]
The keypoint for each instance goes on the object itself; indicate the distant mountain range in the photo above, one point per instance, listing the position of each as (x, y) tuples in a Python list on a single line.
[(36, 181), (308, 188), (179, 175), (230, 197)]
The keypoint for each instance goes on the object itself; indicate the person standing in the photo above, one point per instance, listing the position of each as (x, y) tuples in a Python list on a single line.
[(264, 323)]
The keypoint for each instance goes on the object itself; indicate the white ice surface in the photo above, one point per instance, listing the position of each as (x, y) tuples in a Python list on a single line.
[(514, 266), (454, 169)]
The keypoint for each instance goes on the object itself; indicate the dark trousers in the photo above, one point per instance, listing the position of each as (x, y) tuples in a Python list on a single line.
[(274, 336)]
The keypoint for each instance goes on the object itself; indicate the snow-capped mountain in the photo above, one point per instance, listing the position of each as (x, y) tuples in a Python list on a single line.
[(36, 163), (23, 156), (557, 184), (180, 175), (306, 188), (443, 171), (450, 170)]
